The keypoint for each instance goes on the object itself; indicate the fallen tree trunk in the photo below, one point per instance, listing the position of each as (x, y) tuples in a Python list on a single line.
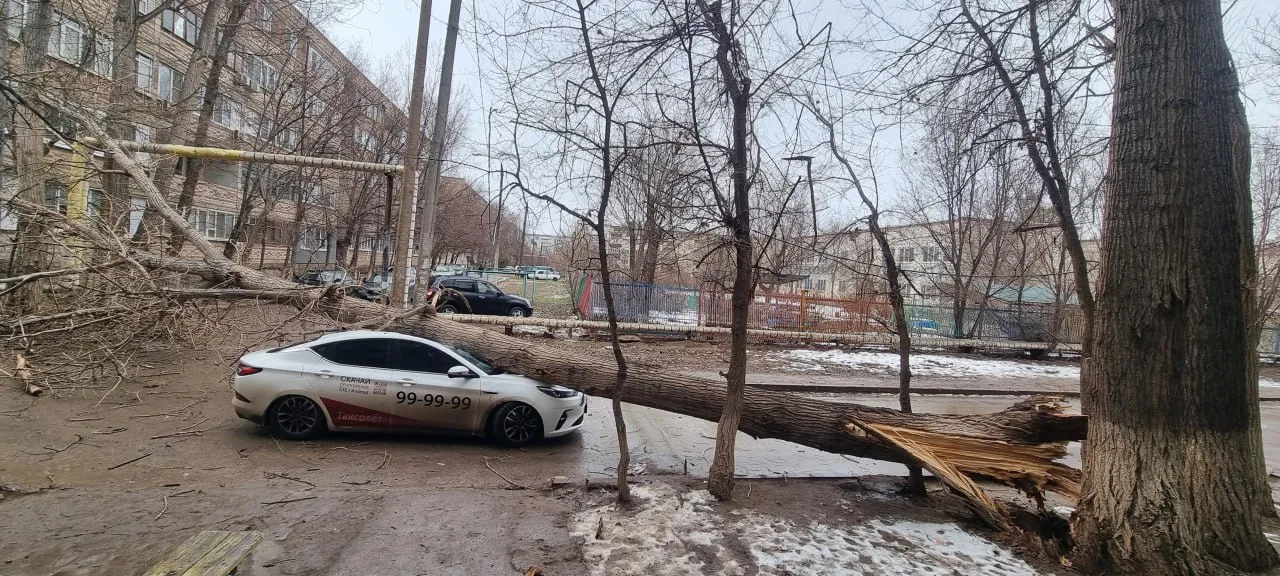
[(809, 421)]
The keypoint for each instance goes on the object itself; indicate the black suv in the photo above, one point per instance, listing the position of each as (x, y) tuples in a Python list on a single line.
[(476, 296)]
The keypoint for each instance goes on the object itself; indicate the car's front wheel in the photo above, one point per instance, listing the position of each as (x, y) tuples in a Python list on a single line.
[(518, 312), (296, 418), (515, 424), (448, 309)]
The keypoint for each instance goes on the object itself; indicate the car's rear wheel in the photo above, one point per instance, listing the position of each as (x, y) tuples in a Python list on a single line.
[(518, 312), (515, 424), (296, 418), (448, 309)]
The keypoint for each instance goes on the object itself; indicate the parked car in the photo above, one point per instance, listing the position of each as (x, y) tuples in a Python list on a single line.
[(378, 286), (448, 269), (368, 380), (543, 273), (323, 277), (466, 294)]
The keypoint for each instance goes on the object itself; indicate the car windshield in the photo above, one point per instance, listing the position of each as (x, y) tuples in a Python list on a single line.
[(478, 363)]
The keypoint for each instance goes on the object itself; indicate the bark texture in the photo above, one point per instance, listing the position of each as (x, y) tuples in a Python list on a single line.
[(1170, 482)]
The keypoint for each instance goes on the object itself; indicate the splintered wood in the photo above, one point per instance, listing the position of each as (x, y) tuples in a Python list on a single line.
[(1031, 468)]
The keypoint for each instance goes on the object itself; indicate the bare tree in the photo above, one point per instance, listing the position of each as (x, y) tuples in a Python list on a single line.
[(1034, 59), (962, 204), (582, 107)]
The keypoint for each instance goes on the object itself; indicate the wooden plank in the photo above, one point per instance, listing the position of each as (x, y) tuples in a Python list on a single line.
[(187, 553), (228, 554)]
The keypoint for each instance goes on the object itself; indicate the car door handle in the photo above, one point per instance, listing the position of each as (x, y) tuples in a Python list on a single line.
[(489, 391), (325, 373), (406, 381)]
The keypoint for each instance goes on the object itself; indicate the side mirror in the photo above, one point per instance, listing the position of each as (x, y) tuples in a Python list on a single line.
[(461, 372)]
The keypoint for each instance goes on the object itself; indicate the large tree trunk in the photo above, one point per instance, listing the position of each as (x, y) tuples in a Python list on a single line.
[(1171, 473), (33, 250), (195, 166), (183, 124)]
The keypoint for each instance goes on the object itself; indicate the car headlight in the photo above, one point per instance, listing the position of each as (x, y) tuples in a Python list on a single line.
[(558, 391)]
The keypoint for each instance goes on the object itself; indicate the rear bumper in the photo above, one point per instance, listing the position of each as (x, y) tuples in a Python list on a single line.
[(248, 411)]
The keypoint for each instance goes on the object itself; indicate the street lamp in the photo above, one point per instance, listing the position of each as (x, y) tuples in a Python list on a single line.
[(813, 200)]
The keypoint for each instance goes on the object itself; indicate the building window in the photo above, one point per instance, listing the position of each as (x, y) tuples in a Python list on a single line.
[(93, 207), (291, 43), (365, 139), (367, 242), (287, 138), (185, 24), (213, 224), (229, 113), (317, 195), (317, 63), (102, 64), (55, 196), (17, 17), (260, 74), (846, 286), (147, 6), (66, 39), (312, 238), (929, 254), (225, 174), (146, 72), (182, 166), (265, 15), (8, 189), (170, 85), (906, 254), (819, 284)]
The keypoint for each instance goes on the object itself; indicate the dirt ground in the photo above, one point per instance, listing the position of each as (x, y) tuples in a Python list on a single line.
[(107, 478)]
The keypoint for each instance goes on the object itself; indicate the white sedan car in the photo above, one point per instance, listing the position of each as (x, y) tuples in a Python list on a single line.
[(367, 380)]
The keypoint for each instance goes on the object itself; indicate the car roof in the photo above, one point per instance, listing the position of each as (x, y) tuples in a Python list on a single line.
[(358, 334)]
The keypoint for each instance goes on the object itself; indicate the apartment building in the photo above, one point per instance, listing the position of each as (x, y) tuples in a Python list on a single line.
[(285, 88)]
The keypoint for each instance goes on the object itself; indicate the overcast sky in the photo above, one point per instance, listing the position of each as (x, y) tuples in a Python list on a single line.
[(385, 29)]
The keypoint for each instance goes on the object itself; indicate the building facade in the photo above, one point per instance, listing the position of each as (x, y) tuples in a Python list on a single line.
[(283, 88)]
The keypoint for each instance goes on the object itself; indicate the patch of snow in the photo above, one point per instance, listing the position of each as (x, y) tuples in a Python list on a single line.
[(876, 547), (1268, 383), (928, 365), (670, 533), (1064, 512)]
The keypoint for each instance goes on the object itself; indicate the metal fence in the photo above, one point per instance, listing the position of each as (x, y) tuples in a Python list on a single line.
[(1027, 322), (642, 303), (658, 304)]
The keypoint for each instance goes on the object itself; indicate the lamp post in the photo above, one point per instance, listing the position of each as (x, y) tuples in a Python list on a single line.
[(813, 200)]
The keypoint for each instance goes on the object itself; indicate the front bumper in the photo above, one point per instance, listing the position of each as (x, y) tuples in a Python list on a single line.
[(569, 419)]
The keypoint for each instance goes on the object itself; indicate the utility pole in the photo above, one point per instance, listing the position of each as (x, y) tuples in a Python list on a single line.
[(497, 221), (524, 231), (409, 182), (427, 227)]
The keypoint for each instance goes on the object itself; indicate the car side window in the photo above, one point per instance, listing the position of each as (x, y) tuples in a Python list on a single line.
[(418, 357), (485, 288), (365, 352), (464, 285)]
